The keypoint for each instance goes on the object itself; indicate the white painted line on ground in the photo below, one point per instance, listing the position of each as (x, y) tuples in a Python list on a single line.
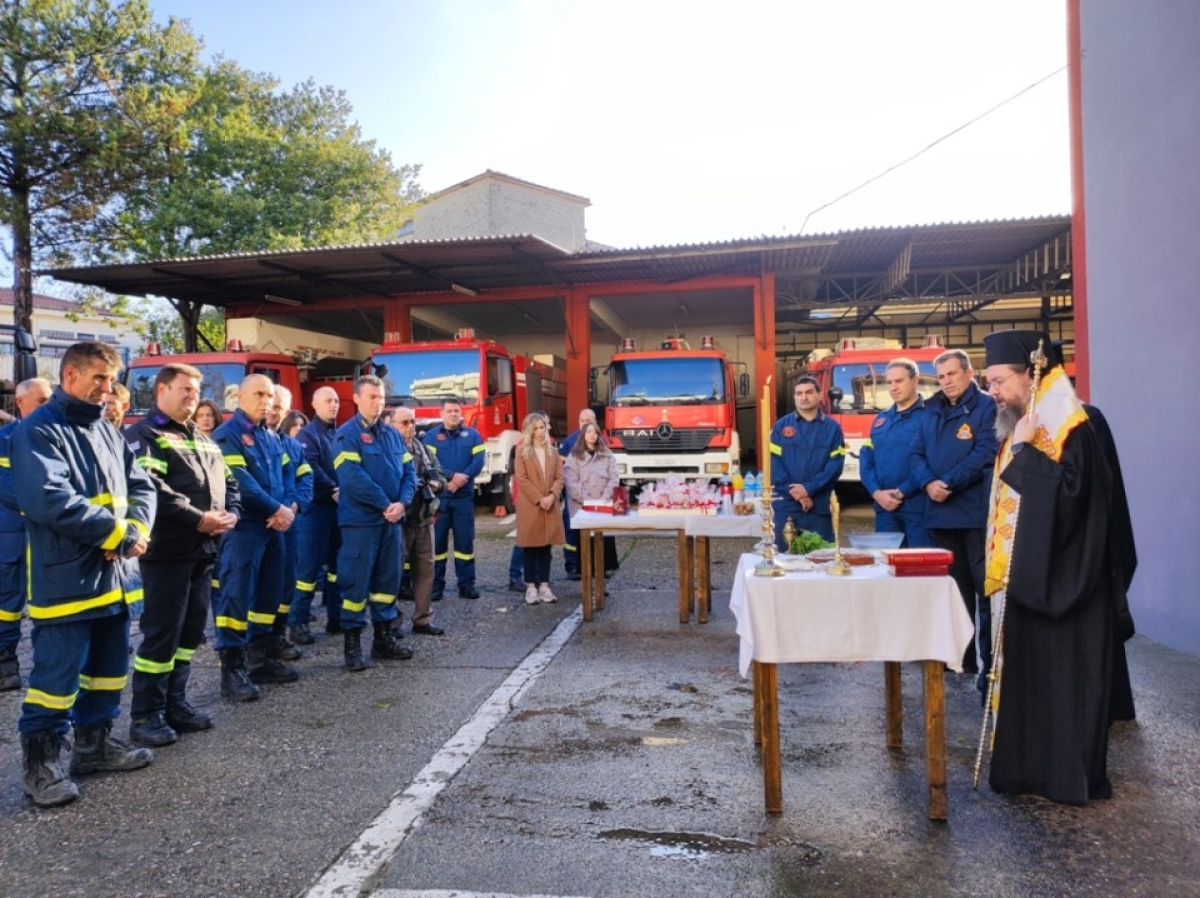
[(453, 893), (359, 866)]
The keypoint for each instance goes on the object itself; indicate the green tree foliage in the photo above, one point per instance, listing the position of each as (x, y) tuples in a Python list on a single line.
[(92, 93)]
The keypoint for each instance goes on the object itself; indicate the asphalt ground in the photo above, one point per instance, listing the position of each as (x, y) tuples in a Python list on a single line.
[(527, 753)]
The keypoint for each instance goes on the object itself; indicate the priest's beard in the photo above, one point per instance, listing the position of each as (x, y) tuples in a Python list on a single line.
[(1006, 421)]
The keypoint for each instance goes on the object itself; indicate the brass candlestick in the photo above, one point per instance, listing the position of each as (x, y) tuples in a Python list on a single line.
[(767, 567), (838, 567)]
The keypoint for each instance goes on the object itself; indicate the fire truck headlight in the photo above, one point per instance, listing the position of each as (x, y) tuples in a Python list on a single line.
[(622, 470), (716, 468)]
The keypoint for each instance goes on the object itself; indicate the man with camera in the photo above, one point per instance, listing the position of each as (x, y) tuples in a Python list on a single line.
[(418, 525)]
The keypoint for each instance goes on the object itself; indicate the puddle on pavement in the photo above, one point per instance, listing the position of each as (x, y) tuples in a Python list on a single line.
[(689, 846)]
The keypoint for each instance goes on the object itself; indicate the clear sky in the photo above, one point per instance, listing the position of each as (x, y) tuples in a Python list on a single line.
[(693, 121)]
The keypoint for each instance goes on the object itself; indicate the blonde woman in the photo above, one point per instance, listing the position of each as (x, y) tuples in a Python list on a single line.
[(539, 472)]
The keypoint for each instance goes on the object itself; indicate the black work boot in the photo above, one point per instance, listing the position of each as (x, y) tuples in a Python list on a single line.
[(181, 716), (97, 750), (278, 646), (10, 670), (235, 684), (45, 780), (300, 634), (386, 645), (353, 650), (265, 669), (146, 723)]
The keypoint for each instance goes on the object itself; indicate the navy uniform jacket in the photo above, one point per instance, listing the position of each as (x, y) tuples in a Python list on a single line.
[(255, 456), (883, 461), (191, 477), (457, 452), (958, 445), (10, 514), (83, 495), (374, 469), (316, 438), (811, 453), (300, 471)]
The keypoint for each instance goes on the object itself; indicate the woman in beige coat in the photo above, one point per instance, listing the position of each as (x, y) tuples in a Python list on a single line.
[(590, 472), (539, 471)]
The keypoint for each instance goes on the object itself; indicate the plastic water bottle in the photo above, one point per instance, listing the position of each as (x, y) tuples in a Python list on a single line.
[(726, 490), (750, 484), (739, 488)]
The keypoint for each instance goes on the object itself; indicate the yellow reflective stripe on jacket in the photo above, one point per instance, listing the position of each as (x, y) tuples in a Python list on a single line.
[(102, 684), (66, 609), (287, 459), (133, 595), (46, 700), (305, 586), (146, 463), (5, 462), (117, 536), (407, 457), (235, 461), (346, 456), (840, 450), (304, 468), (776, 449), (142, 527), (9, 616), (477, 449), (108, 500)]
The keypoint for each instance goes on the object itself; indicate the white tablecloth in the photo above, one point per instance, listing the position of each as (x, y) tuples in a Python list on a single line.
[(691, 524), (868, 616)]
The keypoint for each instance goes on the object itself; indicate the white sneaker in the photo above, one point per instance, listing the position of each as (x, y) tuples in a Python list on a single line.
[(545, 595), (531, 595)]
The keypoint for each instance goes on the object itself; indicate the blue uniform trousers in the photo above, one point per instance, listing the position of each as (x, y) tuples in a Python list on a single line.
[(79, 670), (801, 520), (911, 525), (457, 513), (967, 569), (251, 575), (12, 587), (369, 566), (571, 555), (320, 540)]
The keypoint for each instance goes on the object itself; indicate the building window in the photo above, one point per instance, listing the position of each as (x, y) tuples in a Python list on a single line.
[(56, 335), (51, 352), (108, 338), (85, 337)]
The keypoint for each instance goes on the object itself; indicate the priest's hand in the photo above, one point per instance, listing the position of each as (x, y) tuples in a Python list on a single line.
[(1026, 429)]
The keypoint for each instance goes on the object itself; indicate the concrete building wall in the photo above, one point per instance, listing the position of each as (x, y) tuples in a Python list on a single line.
[(493, 205), (1140, 133)]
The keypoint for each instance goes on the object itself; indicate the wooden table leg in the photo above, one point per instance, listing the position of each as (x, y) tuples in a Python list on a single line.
[(756, 673), (585, 568), (685, 577), (771, 760), (703, 580), (935, 740), (598, 564), (895, 715)]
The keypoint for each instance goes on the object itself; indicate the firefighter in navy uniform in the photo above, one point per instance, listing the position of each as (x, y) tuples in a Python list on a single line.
[(29, 395), (808, 453), (319, 536), (459, 452), (197, 503), (377, 481), (299, 475), (252, 554), (88, 512)]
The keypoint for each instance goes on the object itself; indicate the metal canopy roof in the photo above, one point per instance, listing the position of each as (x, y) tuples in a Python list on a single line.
[(965, 265)]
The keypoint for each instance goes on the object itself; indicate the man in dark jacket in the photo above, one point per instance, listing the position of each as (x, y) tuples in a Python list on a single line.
[(418, 523), (88, 512), (952, 458), (197, 503)]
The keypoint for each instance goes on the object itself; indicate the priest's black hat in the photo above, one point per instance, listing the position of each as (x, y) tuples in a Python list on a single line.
[(1015, 347)]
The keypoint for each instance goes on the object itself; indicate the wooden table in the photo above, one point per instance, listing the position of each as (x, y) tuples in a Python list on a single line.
[(692, 534), (869, 616)]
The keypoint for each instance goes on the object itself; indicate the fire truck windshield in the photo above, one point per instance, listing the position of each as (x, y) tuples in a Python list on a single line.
[(427, 376), (220, 383), (667, 381), (864, 390)]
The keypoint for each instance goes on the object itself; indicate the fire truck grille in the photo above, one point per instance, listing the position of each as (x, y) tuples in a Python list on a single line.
[(665, 440)]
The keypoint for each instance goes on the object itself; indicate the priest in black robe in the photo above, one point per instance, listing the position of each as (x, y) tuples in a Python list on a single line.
[(1050, 565)]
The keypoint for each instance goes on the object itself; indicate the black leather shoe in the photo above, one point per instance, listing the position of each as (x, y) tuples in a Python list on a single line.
[(516, 586), (428, 630), (436, 597), (608, 575), (469, 593)]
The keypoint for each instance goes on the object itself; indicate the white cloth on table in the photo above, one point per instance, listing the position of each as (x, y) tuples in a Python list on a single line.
[(867, 616)]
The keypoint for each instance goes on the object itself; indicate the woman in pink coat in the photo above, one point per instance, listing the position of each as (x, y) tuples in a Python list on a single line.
[(539, 473)]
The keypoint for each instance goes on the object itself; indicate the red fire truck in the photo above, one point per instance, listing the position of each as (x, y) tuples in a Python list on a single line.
[(496, 388), (852, 386), (672, 411), (223, 373)]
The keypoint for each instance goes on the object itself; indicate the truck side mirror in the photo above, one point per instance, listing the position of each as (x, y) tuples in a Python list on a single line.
[(835, 397), (743, 384), (25, 359)]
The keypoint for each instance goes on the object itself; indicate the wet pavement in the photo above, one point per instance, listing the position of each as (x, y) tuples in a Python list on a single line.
[(616, 760)]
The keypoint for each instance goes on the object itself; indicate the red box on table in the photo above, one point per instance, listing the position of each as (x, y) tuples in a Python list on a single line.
[(918, 562)]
